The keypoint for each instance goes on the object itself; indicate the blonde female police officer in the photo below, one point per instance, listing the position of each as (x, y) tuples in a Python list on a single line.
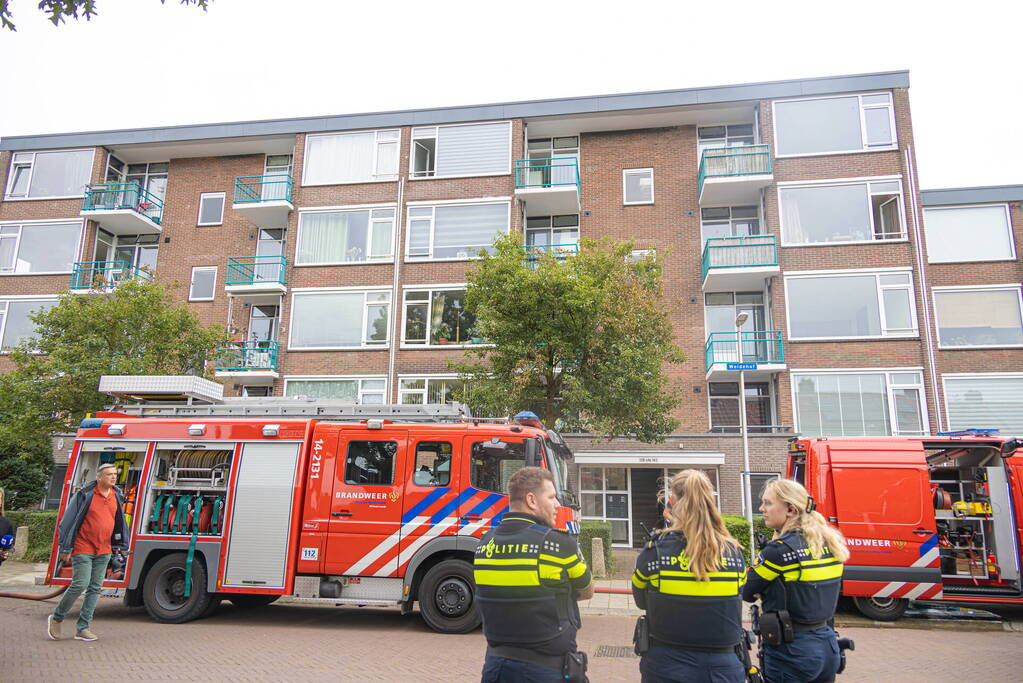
[(799, 572), (689, 580)]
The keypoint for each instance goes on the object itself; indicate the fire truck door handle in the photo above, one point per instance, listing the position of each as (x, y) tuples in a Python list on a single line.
[(923, 531), (471, 518), (341, 514)]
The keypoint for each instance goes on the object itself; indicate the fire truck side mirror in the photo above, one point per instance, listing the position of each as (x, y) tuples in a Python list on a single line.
[(532, 453), (1009, 447)]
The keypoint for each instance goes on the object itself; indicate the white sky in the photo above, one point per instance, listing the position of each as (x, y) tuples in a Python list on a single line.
[(140, 63)]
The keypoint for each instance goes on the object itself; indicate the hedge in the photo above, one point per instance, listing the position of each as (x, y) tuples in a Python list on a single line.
[(739, 528), (590, 529), (41, 525)]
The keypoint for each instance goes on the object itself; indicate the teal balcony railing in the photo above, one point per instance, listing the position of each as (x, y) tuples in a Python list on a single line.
[(251, 189), (534, 252), (254, 270), (247, 355), (547, 172), (105, 274), (761, 346), (739, 252), (115, 196), (729, 162)]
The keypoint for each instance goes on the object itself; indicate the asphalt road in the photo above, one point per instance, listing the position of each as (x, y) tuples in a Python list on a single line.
[(312, 643)]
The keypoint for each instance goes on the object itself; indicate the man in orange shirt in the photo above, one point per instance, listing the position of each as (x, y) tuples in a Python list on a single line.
[(92, 526)]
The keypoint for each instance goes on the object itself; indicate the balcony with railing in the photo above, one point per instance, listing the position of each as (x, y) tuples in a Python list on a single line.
[(247, 362), (123, 208), (758, 352), (739, 263), (102, 276), (256, 276), (534, 252), (264, 199), (733, 175), (548, 187)]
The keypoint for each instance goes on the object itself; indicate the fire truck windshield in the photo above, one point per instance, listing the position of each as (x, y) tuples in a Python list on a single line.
[(554, 450)]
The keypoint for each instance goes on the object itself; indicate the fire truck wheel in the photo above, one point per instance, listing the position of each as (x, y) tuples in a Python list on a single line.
[(881, 609), (243, 601), (163, 592), (447, 598)]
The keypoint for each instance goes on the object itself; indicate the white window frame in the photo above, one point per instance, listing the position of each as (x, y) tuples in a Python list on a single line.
[(772, 391), (433, 224), (364, 346), (870, 209), (351, 207), (742, 488), (22, 224), (191, 283), (863, 124), (203, 196), (889, 386), (425, 391), (6, 299), (1008, 226), (972, 375), (1017, 287), (603, 493), (31, 171), (359, 392), (436, 150), (375, 176), (430, 289), (637, 171), (877, 272)]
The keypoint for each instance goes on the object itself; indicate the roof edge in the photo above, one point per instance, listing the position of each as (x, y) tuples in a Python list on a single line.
[(984, 194)]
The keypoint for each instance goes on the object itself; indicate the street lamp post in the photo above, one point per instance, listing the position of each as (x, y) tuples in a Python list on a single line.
[(747, 492)]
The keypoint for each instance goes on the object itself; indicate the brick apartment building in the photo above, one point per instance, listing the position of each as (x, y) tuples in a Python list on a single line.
[(335, 249)]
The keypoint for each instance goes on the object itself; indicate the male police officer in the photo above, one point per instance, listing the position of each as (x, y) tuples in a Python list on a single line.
[(528, 577)]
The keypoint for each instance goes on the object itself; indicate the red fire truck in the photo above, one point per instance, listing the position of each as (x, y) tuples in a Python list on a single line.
[(251, 499), (933, 518)]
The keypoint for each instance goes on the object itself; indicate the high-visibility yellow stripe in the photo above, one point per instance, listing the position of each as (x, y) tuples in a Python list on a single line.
[(781, 569), (642, 575), (701, 588), (638, 582), (821, 573), (517, 560), (765, 573), (550, 573), (559, 560), (520, 577), (576, 571), (690, 575)]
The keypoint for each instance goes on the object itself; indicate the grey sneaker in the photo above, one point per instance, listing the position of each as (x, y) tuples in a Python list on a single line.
[(86, 635), (53, 627)]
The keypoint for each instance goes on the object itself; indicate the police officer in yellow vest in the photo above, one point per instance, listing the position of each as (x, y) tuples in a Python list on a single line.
[(798, 576), (528, 578), (689, 579)]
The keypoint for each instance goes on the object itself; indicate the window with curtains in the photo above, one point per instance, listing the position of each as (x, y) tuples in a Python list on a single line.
[(826, 125), (339, 319), (842, 212), (859, 403), (979, 317), (49, 174), (39, 247), (420, 390), (334, 237), (956, 234), (461, 150), (840, 305), (364, 390), (437, 317), (454, 231), (16, 327), (362, 157), (985, 400)]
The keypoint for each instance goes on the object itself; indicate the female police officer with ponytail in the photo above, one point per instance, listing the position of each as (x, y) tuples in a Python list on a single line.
[(689, 579), (798, 576)]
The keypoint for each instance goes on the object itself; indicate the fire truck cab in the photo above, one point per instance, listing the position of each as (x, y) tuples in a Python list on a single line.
[(249, 500), (933, 518)]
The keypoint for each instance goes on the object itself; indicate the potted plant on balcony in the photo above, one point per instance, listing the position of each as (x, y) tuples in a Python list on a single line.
[(442, 333)]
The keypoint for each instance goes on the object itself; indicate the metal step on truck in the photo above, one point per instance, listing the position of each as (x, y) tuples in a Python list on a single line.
[(252, 499)]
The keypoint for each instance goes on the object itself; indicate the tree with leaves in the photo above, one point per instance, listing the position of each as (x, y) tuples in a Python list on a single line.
[(136, 329), (59, 10), (583, 338)]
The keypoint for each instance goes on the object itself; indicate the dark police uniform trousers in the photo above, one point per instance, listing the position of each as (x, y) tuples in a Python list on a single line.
[(694, 625), (787, 576), (527, 575)]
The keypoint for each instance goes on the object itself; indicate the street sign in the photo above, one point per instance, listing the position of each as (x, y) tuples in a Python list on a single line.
[(741, 366)]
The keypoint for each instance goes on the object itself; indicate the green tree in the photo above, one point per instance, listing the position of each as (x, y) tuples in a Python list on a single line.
[(584, 339), (136, 329), (59, 10), (24, 474)]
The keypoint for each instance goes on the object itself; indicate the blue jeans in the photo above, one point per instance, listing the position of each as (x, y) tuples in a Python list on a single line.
[(503, 670), (812, 657), (87, 572), (662, 664)]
